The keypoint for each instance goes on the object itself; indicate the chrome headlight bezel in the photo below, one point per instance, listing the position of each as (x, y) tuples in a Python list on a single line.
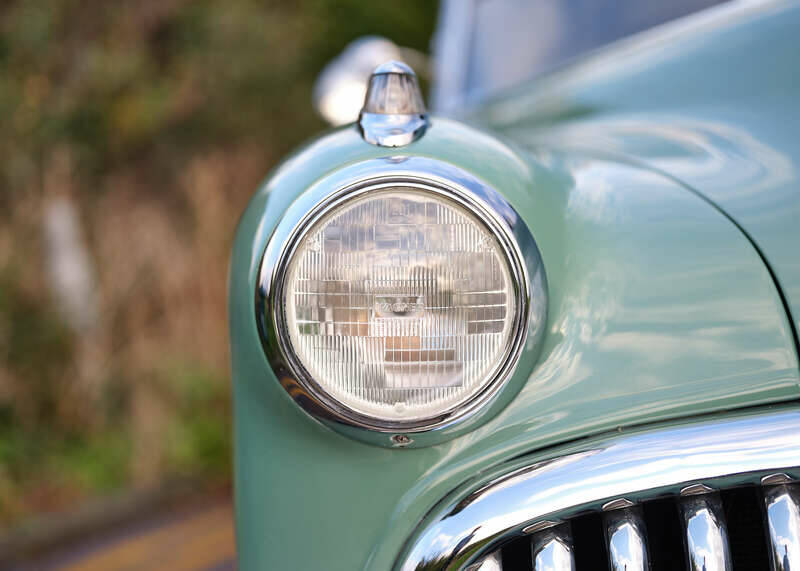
[(452, 184)]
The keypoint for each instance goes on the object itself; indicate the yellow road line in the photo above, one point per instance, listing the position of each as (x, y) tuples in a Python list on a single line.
[(200, 541)]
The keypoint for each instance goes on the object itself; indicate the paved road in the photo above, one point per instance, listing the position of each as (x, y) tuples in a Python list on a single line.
[(191, 539)]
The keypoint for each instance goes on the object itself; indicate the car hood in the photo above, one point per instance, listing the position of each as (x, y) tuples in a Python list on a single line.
[(711, 101)]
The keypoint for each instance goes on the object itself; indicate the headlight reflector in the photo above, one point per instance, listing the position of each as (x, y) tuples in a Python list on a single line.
[(400, 304)]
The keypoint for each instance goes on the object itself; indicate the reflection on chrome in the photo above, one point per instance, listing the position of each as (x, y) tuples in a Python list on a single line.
[(481, 515), (625, 536), (783, 520), (706, 533), (491, 562), (551, 550), (394, 113)]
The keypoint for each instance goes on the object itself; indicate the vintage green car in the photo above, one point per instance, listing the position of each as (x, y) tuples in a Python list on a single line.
[(558, 331)]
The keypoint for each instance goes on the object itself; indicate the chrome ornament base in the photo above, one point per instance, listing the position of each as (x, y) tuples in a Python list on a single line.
[(392, 130), (394, 112)]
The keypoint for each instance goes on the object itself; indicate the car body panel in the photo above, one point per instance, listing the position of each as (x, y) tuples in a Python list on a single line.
[(711, 101), (659, 308)]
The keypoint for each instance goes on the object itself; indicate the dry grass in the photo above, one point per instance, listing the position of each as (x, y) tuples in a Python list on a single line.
[(152, 121)]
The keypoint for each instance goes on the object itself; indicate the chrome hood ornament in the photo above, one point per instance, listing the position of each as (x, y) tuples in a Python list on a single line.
[(394, 112)]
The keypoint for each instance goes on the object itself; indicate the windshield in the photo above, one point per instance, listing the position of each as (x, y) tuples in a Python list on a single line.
[(483, 46)]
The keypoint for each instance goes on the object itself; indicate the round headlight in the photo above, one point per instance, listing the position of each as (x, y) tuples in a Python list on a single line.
[(398, 305)]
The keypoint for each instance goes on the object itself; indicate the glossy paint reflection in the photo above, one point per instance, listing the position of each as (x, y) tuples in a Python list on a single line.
[(671, 101), (667, 321)]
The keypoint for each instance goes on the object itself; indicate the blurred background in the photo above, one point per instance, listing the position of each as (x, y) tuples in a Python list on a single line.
[(134, 133)]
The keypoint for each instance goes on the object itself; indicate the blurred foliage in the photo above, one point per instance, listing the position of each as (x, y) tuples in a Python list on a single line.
[(155, 119)]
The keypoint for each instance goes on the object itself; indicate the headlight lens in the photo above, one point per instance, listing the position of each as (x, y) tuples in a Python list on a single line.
[(399, 304)]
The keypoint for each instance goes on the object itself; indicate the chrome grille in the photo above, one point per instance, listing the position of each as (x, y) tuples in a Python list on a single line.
[(723, 496), (712, 531)]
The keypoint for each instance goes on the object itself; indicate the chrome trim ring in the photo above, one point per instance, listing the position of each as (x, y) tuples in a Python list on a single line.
[(454, 185), (687, 461)]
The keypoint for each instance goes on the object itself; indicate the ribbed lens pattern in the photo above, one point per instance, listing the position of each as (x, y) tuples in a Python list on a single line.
[(394, 93), (399, 304)]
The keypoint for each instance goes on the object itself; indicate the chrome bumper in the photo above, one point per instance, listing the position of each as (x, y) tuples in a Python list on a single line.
[(615, 478)]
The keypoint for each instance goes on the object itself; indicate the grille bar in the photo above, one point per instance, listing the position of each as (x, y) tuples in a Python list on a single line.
[(782, 503), (706, 532), (551, 549), (625, 536)]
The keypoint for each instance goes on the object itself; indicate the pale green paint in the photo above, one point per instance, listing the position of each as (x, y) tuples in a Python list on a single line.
[(659, 308), (715, 104)]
